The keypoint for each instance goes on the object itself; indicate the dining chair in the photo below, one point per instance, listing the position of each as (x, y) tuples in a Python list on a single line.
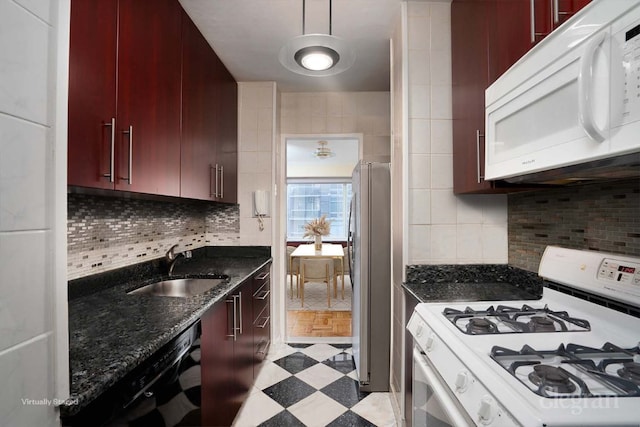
[(293, 269), (316, 270), (338, 269)]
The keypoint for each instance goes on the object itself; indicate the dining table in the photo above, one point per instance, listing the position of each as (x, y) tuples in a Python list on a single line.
[(329, 250)]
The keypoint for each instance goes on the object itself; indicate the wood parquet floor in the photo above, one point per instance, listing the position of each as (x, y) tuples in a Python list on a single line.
[(305, 323)]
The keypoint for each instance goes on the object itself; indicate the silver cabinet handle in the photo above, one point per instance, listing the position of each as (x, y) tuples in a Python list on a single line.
[(111, 175), (262, 276), (240, 310), (264, 344), (533, 23), (221, 182), (216, 193), (478, 136), (233, 300), (264, 295), (129, 179), (556, 11), (266, 320)]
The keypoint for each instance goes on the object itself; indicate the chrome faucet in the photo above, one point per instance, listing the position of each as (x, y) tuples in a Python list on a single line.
[(171, 256)]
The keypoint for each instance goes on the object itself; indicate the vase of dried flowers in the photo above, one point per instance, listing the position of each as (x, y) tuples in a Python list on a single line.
[(317, 228)]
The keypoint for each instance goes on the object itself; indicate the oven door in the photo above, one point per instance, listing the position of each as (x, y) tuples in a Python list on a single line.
[(434, 405)]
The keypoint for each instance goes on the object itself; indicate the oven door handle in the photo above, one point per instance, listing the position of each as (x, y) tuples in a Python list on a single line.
[(449, 403)]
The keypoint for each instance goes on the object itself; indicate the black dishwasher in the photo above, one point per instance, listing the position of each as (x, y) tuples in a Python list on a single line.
[(164, 391)]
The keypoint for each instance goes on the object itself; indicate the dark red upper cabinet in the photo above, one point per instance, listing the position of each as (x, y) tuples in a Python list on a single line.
[(92, 93), (513, 31), (209, 149), (227, 141), (470, 77), (510, 36), (550, 14), (199, 127), (149, 90), (488, 37), (124, 96), (151, 107)]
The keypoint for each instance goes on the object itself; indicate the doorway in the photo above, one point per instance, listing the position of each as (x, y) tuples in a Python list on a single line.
[(317, 183)]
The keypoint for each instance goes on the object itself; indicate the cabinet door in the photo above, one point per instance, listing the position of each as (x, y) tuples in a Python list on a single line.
[(217, 365), (470, 76), (149, 72), (199, 114), (510, 37), (550, 14), (567, 8), (92, 92), (227, 141)]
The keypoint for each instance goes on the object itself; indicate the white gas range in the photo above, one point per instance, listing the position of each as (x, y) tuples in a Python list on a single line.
[(557, 361)]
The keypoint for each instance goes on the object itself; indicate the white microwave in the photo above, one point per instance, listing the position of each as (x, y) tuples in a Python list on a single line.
[(572, 103)]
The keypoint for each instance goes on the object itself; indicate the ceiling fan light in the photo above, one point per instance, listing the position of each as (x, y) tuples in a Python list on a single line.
[(316, 58), (323, 152)]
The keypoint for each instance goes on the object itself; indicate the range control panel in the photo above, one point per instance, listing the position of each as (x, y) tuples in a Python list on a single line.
[(620, 272)]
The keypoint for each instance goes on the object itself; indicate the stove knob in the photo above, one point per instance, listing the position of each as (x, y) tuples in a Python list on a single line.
[(428, 344), (487, 410), (462, 381)]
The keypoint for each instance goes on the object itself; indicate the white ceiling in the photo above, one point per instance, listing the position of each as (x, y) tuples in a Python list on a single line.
[(247, 35), (302, 163)]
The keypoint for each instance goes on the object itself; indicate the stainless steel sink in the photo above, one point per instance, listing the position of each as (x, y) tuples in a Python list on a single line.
[(181, 288)]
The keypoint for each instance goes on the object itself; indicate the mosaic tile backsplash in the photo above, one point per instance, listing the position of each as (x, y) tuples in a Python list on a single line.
[(105, 233), (603, 217)]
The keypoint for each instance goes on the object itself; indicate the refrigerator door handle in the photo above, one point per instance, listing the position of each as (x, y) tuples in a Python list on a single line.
[(350, 244)]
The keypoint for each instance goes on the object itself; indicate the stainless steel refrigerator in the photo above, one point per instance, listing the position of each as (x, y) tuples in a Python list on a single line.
[(369, 252)]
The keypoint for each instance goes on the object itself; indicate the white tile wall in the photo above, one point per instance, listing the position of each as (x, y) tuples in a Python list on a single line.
[(23, 170), (256, 135), (420, 136), (443, 227), (26, 284), (368, 113), (27, 391), (24, 55), (28, 177)]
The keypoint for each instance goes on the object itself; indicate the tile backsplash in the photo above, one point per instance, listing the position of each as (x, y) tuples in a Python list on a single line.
[(602, 217), (105, 233)]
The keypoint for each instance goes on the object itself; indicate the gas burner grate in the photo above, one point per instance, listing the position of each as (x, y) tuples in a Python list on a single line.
[(505, 319), (574, 370)]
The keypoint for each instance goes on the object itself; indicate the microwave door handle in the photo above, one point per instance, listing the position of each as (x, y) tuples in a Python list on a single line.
[(585, 92)]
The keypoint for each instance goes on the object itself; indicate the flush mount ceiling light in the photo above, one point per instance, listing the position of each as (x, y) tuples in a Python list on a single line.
[(316, 54), (323, 152), (316, 58)]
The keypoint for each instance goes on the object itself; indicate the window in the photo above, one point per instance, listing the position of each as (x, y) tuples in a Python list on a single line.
[(309, 199)]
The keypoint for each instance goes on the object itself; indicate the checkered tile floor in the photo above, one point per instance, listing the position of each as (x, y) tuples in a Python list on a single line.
[(312, 385)]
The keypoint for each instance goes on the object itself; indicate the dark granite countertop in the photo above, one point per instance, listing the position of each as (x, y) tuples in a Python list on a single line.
[(471, 282), (110, 332)]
